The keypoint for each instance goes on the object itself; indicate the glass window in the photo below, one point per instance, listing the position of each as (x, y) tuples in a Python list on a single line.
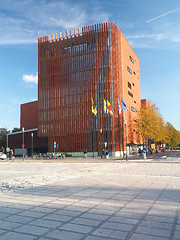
[(129, 70), (132, 60), (129, 85), (130, 94)]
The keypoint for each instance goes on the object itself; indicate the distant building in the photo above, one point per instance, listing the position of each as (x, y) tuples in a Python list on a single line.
[(28, 121), (96, 64)]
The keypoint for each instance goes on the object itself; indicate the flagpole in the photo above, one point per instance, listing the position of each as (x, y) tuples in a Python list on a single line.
[(124, 107), (92, 138), (126, 138)]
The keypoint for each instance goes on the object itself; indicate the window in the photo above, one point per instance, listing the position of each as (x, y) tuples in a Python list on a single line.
[(129, 85), (129, 70), (133, 109), (132, 60), (130, 94)]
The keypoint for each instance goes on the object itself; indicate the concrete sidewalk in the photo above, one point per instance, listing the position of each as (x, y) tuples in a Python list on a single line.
[(101, 201)]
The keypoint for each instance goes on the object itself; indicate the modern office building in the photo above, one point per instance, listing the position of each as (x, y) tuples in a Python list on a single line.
[(76, 68), (79, 72)]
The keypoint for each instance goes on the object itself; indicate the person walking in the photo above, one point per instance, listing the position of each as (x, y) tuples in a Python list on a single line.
[(144, 151), (85, 153)]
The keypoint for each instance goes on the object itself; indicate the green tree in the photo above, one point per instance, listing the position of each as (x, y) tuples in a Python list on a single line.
[(174, 139), (3, 136), (15, 129)]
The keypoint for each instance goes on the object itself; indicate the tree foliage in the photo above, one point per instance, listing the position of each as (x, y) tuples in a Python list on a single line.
[(3, 136), (15, 129), (152, 126), (174, 139), (149, 122)]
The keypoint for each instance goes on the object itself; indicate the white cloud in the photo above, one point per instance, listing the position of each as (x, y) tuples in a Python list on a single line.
[(12, 110), (30, 78), (29, 19)]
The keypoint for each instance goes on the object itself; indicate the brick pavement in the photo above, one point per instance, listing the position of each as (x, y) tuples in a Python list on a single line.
[(111, 205)]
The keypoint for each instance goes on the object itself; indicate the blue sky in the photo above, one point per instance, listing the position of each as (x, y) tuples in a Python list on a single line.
[(151, 27)]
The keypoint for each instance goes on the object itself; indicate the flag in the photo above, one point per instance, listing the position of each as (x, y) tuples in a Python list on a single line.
[(94, 110), (109, 108), (105, 107), (119, 107), (124, 107)]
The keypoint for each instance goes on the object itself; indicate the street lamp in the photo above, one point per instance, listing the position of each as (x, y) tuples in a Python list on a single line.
[(126, 139), (23, 141), (32, 143), (101, 138)]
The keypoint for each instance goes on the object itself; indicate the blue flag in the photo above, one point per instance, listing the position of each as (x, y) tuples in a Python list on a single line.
[(124, 107), (119, 107)]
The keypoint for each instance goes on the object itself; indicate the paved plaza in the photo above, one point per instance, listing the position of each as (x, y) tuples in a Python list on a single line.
[(94, 200)]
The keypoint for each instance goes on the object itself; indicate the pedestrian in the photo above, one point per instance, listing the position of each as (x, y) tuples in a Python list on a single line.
[(85, 153), (144, 151), (10, 154), (107, 154), (103, 154)]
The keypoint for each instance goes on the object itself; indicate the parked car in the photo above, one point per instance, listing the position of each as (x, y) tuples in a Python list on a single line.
[(3, 156)]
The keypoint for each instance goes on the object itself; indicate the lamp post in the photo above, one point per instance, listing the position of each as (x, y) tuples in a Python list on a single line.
[(32, 143), (23, 141), (101, 139), (126, 139)]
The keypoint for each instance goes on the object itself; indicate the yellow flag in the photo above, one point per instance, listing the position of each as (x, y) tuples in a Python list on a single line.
[(94, 110)]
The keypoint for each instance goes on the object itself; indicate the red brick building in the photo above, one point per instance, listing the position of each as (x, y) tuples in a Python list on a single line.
[(73, 68), (28, 121), (97, 63)]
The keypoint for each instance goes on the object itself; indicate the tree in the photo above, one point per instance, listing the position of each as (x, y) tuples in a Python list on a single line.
[(149, 122), (3, 136), (15, 129), (174, 139), (151, 125)]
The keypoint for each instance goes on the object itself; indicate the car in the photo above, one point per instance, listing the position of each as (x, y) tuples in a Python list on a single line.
[(3, 156)]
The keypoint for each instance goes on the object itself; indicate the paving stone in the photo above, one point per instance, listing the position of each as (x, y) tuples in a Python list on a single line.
[(19, 219), (178, 227), (94, 216), (76, 228), (137, 236), (8, 225), (33, 214), (159, 218), (64, 235), (46, 223), (86, 221), (68, 213), (154, 231), (43, 209), (110, 233), (123, 220), (2, 231), (150, 223), (177, 234), (34, 230), (3, 215), (129, 214), (9, 210), (58, 217), (117, 226), (17, 236), (98, 238)]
